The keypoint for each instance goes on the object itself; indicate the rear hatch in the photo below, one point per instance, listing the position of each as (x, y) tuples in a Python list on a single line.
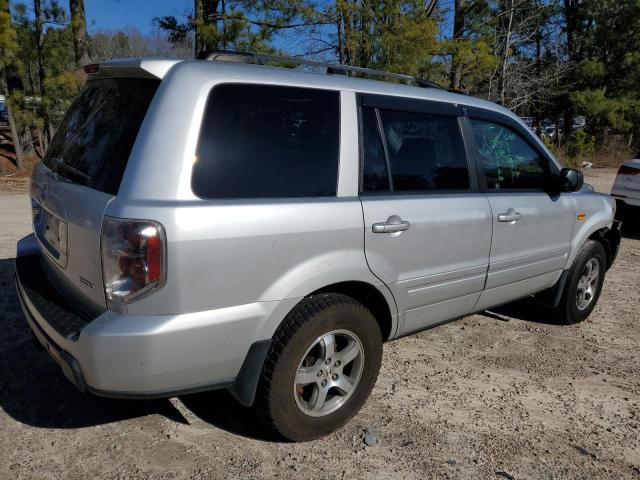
[(79, 176)]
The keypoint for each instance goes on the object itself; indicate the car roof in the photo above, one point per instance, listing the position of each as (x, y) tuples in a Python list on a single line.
[(251, 73), (160, 67)]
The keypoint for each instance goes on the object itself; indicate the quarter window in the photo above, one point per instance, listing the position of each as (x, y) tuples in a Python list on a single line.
[(425, 152), (259, 141), (507, 161)]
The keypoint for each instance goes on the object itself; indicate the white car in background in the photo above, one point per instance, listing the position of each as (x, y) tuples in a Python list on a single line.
[(626, 189)]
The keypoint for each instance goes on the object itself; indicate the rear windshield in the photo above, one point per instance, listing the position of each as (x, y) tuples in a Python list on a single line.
[(260, 141), (94, 140)]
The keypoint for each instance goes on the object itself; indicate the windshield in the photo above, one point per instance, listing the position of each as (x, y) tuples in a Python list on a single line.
[(94, 140)]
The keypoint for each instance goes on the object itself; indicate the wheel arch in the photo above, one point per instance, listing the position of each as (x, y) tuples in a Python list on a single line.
[(605, 232), (381, 306), (595, 221), (609, 238), (377, 299)]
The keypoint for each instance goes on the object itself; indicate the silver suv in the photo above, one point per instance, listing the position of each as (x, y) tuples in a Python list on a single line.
[(215, 224)]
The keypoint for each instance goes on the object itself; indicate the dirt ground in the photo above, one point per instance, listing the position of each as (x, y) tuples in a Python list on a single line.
[(505, 395)]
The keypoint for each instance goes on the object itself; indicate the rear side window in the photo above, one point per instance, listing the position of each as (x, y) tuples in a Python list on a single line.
[(93, 142), (425, 153), (259, 141), (507, 161)]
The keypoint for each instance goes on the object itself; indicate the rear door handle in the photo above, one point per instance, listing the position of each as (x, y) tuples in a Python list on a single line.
[(393, 224), (509, 216)]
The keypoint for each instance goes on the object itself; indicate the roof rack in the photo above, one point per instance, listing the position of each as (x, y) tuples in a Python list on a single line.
[(331, 68)]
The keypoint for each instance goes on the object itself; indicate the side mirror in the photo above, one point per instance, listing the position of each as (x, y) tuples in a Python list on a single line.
[(571, 180)]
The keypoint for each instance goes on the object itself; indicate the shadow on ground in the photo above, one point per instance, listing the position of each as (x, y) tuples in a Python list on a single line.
[(34, 391), (631, 229), (219, 408), (32, 388), (526, 309)]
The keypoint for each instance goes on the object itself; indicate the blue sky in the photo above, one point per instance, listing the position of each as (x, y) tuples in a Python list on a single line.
[(120, 14), (115, 14)]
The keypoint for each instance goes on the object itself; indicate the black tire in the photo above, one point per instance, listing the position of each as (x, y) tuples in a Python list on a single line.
[(620, 210), (567, 310), (276, 398)]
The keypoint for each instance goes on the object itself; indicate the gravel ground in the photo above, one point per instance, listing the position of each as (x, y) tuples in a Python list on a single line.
[(507, 395)]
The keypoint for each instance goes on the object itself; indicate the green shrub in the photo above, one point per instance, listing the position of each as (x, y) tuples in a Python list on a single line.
[(580, 145)]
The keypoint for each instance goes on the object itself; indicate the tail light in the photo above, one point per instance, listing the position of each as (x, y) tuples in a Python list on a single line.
[(133, 258), (92, 68), (627, 170)]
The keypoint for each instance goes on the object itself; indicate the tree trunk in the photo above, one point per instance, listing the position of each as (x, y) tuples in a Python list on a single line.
[(347, 32), (38, 31), (79, 30), (4, 89), (198, 41), (502, 79), (537, 101), (223, 12), (15, 137), (571, 20), (341, 59), (206, 14), (37, 9), (455, 76)]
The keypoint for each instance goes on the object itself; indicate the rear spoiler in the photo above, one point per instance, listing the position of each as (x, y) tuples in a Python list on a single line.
[(155, 68)]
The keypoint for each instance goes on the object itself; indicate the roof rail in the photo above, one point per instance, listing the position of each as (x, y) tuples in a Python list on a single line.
[(332, 68)]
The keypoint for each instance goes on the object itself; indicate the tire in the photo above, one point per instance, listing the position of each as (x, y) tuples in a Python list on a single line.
[(575, 304), (294, 408), (620, 210)]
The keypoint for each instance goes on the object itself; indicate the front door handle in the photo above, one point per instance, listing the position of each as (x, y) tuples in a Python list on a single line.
[(393, 224), (510, 216)]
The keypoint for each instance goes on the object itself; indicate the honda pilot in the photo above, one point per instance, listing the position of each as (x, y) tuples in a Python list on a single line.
[(217, 224)]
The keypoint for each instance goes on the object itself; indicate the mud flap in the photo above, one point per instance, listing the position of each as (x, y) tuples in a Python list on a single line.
[(550, 298), (245, 385)]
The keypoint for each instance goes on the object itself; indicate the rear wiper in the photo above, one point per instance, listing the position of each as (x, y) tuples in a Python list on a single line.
[(68, 167)]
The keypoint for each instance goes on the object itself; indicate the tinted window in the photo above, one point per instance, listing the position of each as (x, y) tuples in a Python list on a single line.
[(94, 140), (506, 159), (375, 176), (268, 141), (426, 151)]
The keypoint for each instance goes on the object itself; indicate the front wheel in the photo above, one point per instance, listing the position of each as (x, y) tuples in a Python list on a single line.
[(584, 284), (321, 367)]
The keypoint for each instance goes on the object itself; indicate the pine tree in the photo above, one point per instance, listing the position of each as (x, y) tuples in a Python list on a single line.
[(79, 29), (7, 50)]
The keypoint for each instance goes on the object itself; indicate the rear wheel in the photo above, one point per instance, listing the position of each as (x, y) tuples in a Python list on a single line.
[(322, 365), (584, 284)]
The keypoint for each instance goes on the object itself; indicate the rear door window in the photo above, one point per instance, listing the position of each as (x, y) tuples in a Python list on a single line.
[(261, 141), (94, 140), (424, 152)]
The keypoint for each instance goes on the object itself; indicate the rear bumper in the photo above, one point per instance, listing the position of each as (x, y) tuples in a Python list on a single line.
[(67, 363), (135, 356)]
